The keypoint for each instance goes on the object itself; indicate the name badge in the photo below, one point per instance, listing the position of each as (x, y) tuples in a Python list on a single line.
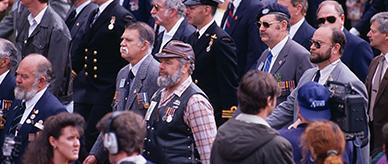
[(150, 110), (122, 83)]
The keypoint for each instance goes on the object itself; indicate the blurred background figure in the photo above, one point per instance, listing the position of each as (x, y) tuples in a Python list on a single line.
[(58, 142), (325, 141), (5, 7)]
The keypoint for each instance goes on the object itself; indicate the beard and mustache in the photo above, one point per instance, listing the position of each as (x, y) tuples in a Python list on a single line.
[(166, 81), (22, 94), (319, 58)]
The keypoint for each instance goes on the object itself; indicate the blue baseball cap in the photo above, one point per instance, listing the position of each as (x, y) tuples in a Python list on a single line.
[(273, 8), (313, 101)]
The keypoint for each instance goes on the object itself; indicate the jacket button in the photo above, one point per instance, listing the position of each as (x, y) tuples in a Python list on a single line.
[(86, 57), (95, 76), (95, 68), (195, 81), (95, 60), (85, 65), (86, 50), (86, 73), (95, 52)]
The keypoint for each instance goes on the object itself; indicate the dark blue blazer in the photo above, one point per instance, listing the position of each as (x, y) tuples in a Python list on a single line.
[(304, 34), (6, 90), (376, 6), (77, 32), (47, 106), (246, 34), (101, 58), (357, 55), (216, 68), (183, 33)]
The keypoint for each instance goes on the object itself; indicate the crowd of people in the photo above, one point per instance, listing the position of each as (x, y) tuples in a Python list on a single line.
[(150, 81)]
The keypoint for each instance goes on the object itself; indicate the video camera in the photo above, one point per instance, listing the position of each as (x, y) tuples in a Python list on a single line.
[(348, 110)]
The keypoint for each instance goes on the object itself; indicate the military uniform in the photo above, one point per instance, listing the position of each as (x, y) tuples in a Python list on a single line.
[(95, 83)]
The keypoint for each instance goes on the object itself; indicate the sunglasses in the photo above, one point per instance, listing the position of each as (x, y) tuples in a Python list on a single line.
[(317, 44), (330, 19), (265, 24)]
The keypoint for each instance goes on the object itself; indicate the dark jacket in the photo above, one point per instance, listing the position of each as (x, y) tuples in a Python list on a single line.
[(241, 142), (6, 91)]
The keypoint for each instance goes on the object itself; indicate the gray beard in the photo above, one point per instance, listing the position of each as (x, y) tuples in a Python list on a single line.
[(26, 95), (169, 80)]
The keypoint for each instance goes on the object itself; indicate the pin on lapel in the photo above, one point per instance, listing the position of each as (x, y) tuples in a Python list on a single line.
[(212, 39), (281, 61), (112, 22)]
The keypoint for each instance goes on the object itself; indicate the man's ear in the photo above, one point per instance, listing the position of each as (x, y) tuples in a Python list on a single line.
[(271, 101)]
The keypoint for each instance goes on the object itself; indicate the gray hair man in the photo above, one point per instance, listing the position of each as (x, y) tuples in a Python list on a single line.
[(8, 62)]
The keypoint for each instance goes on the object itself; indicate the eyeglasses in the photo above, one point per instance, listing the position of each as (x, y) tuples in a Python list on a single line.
[(156, 6), (265, 24), (330, 19), (317, 44)]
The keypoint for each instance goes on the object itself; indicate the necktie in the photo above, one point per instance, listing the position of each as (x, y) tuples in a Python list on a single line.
[(93, 17), (128, 83), (196, 37), (15, 125), (71, 19), (317, 76), (268, 62), (230, 19), (375, 86)]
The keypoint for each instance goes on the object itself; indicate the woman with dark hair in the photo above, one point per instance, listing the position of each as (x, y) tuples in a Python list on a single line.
[(59, 142), (324, 142)]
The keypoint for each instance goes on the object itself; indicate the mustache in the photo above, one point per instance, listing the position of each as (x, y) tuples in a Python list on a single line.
[(124, 50)]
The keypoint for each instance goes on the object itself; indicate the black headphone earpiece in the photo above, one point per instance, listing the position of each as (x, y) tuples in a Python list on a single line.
[(110, 140)]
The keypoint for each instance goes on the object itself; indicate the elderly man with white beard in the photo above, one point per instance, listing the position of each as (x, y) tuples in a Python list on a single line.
[(33, 104), (180, 121)]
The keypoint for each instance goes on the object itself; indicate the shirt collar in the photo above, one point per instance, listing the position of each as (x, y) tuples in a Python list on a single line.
[(325, 72), (82, 6), (103, 6), (204, 28), (136, 67), (30, 103), (2, 76), (294, 28), (278, 47), (38, 18), (236, 3), (175, 27), (137, 159), (253, 119), (386, 57)]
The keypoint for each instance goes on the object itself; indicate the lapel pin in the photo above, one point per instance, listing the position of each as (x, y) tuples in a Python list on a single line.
[(212, 39)]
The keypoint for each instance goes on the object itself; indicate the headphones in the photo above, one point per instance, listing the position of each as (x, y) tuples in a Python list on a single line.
[(110, 139)]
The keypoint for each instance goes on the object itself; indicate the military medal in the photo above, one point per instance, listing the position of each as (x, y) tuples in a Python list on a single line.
[(28, 121), (2, 122), (212, 39), (112, 22), (169, 118)]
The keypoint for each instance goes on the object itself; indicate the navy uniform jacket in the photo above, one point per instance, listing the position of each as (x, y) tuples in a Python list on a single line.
[(357, 55), (183, 33), (77, 32), (143, 13), (216, 68), (246, 34), (101, 61), (6, 91), (304, 35), (51, 38), (47, 105)]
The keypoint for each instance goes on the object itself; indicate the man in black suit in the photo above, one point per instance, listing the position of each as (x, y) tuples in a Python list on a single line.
[(216, 71), (33, 105), (8, 61), (300, 31), (170, 15), (43, 31), (77, 22), (239, 22), (94, 85)]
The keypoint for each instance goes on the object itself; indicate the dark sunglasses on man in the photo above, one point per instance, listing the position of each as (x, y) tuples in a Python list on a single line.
[(265, 24), (317, 44), (330, 19)]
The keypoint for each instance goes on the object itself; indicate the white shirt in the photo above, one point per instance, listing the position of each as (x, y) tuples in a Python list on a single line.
[(250, 118), (135, 68), (35, 21), (137, 159), (276, 50), (80, 7), (167, 35), (103, 6), (384, 69), (30, 104), (325, 72), (204, 28), (294, 28), (2, 76)]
